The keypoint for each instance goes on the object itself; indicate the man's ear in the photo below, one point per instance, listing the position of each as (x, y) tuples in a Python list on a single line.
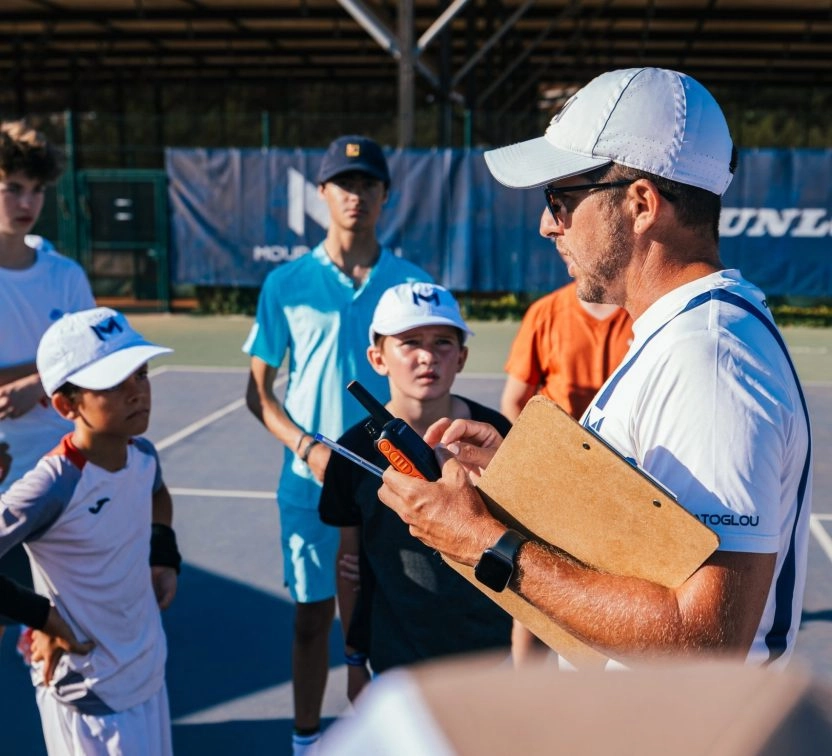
[(376, 359), (64, 406), (645, 202)]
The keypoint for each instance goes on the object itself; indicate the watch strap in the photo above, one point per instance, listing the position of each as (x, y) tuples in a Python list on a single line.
[(508, 544), (496, 566)]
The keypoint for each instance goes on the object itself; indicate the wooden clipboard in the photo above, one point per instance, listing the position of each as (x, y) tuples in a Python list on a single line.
[(560, 483)]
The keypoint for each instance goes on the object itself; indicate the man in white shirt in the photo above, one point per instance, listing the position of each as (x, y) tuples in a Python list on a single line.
[(707, 400)]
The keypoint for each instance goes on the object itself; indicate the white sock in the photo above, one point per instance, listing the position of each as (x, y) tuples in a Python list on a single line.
[(305, 745)]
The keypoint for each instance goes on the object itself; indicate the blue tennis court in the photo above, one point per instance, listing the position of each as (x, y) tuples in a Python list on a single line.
[(229, 629)]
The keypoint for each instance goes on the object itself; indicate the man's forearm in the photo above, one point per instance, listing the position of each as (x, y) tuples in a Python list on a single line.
[(629, 618)]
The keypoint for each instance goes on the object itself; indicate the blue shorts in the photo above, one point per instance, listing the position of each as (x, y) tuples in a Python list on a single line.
[(309, 551)]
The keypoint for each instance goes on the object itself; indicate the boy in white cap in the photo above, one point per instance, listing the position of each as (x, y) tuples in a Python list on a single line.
[(707, 399), (408, 606), (89, 514)]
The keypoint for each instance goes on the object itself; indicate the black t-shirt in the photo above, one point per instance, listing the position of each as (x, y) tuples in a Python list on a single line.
[(411, 606)]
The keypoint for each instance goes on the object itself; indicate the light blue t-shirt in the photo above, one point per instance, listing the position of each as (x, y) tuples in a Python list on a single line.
[(312, 309)]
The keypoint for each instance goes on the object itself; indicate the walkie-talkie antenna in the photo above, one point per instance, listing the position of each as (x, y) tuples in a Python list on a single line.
[(403, 448), (376, 409)]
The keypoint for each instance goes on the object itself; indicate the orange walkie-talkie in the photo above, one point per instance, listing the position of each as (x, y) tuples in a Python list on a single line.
[(395, 439)]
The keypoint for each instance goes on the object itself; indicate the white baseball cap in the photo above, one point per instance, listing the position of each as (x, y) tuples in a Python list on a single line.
[(651, 119), (94, 349), (412, 305)]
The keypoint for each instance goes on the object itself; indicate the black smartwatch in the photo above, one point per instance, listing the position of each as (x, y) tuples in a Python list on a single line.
[(496, 565)]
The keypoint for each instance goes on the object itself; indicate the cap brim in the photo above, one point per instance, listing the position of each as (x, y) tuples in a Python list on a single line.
[(357, 167), (536, 162), (116, 367), (401, 326)]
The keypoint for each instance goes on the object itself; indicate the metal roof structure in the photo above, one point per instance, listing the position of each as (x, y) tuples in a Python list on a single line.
[(499, 56)]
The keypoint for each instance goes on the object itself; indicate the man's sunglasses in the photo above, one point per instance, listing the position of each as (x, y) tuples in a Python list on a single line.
[(557, 205)]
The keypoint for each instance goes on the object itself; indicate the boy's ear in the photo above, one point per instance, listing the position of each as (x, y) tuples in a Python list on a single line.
[(64, 406), (376, 359), (463, 357)]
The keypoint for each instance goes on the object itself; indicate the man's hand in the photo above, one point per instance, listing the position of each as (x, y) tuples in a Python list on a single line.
[(165, 581), (448, 515), (18, 397), (50, 644), (473, 443)]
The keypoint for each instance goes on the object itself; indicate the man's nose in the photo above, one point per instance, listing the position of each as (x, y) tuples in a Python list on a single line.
[(549, 225)]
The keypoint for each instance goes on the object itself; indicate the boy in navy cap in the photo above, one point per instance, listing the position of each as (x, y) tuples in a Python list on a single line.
[(318, 309)]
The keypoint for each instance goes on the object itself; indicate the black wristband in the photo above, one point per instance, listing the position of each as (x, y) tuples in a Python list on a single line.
[(163, 551), (355, 659), (305, 456), (23, 605)]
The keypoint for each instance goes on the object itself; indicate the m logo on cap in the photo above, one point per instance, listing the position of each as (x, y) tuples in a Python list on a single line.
[(432, 297), (107, 328), (352, 149)]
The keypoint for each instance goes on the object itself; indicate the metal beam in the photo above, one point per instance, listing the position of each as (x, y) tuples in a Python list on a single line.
[(437, 26), (374, 26), (569, 11), (496, 37), (407, 96)]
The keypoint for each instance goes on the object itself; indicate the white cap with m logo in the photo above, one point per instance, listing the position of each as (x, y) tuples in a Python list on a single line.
[(93, 349), (412, 305)]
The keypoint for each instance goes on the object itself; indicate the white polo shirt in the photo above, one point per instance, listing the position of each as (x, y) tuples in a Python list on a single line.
[(707, 402), (30, 301)]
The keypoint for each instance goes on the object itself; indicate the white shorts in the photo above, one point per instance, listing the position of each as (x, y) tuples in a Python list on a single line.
[(143, 730)]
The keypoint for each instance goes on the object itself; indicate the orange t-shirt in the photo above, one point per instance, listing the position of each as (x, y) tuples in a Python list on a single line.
[(566, 351)]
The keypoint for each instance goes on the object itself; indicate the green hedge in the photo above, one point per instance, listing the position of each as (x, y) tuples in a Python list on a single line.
[(219, 300)]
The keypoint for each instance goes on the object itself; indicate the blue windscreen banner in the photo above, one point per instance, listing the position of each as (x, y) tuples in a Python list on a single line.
[(238, 213)]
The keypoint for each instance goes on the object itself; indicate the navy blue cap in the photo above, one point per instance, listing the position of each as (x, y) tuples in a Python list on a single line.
[(354, 153)]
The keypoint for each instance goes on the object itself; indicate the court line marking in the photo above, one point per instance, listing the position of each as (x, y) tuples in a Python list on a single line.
[(189, 430), (198, 425), (227, 494), (805, 349), (819, 532), (483, 376), (196, 369), (218, 369)]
